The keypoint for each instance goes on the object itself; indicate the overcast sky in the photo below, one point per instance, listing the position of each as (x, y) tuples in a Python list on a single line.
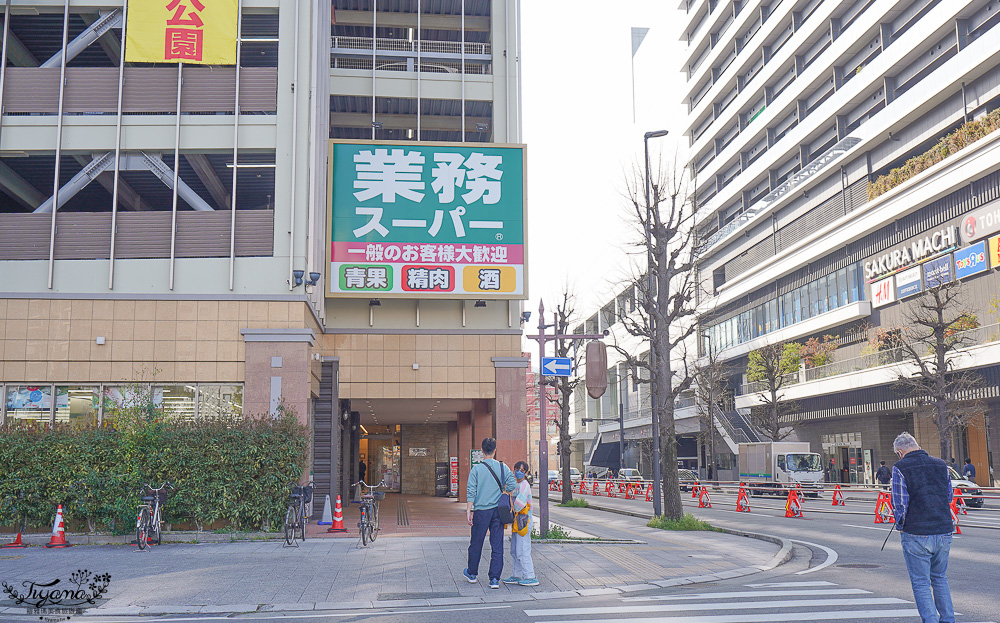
[(581, 138)]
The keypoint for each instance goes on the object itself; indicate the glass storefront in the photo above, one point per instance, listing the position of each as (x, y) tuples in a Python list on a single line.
[(816, 297), (29, 403), (77, 406), (844, 460)]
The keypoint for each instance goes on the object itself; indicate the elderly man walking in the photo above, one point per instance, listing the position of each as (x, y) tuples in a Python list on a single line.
[(921, 496)]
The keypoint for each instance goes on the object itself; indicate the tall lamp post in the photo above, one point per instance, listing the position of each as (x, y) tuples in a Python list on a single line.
[(621, 423), (657, 492)]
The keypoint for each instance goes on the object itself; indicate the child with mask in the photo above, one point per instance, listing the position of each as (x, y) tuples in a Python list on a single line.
[(520, 540)]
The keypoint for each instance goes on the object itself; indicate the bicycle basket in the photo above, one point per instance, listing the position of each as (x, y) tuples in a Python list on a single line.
[(379, 495), (304, 492)]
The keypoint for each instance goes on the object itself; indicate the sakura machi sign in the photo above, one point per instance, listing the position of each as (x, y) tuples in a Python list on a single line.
[(439, 220)]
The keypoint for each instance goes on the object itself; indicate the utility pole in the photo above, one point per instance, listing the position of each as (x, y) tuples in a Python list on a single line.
[(543, 441)]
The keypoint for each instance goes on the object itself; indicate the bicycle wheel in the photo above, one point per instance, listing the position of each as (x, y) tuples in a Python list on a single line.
[(142, 528), (363, 527), (290, 526), (374, 522), (158, 526), (301, 517)]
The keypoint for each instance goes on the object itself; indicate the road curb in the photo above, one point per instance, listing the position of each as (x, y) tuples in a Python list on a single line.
[(168, 537)]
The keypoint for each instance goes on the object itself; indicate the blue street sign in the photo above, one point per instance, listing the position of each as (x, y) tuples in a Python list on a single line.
[(557, 366)]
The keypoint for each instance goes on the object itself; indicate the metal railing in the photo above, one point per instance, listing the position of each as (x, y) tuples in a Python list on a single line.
[(971, 337), (407, 46), (736, 434)]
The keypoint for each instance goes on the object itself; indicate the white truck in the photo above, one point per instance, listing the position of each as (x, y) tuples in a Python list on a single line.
[(776, 466)]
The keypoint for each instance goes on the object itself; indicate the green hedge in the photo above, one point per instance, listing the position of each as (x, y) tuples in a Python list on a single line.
[(234, 469)]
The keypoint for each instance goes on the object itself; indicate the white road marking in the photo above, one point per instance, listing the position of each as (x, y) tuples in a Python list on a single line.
[(747, 605), (850, 525), (790, 584), (356, 613), (742, 594), (768, 617), (831, 557)]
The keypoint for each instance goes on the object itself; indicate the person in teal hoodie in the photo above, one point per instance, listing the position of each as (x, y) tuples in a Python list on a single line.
[(487, 482)]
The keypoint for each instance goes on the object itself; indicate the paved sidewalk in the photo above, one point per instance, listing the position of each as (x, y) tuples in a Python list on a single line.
[(338, 574)]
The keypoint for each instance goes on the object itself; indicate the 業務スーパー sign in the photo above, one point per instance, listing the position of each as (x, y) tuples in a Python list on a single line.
[(429, 219), (201, 32)]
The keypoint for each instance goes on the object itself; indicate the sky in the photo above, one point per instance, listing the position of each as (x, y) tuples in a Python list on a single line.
[(582, 141)]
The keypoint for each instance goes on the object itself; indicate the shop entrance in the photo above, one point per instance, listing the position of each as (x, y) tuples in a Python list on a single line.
[(845, 460)]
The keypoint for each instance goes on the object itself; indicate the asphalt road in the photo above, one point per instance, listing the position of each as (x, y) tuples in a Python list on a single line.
[(836, 573)]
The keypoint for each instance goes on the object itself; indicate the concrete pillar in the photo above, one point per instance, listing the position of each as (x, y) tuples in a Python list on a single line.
[(482, 422), (511, 409), (976, 433), (278, 371), (464, 430)]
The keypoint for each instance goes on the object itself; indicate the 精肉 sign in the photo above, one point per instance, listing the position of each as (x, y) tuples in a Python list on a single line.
[(427, 219)]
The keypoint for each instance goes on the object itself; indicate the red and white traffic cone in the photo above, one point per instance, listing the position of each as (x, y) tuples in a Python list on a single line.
[(793, 508), (838, 496), (338, 519), (15, 544), (58, 538), (703, 500), (742, 501)]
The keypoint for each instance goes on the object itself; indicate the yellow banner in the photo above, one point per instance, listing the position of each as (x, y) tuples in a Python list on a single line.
[(995, 252), (201, 32)]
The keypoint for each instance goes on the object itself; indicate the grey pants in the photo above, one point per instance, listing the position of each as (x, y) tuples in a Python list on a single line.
[(520, 551)]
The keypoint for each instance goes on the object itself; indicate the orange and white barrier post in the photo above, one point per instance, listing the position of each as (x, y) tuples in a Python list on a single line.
[(838, 497), (793, 508), (597, 490), (742, 501), (694, 490), (883, 508), (58, 538), (954, 516), (649, 492), (703, 500), (959, 502)]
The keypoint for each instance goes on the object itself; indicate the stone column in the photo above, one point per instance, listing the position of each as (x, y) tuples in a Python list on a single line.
[(482, 423), (278, 371), (511, 409)]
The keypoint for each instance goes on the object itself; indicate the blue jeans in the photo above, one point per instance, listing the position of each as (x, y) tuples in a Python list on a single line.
[(926, 559), (481, 522)]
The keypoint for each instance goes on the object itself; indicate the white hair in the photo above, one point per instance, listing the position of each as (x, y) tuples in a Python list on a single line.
[(905, 443)]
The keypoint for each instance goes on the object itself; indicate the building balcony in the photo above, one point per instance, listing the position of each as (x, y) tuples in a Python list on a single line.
[(870, 370)]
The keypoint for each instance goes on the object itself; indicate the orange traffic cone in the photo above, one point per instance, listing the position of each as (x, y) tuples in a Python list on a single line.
[(703, 500), (838, 497), (742, 501), (338, 518), (15, 544), (58, 538), (959, 501), (793, 508), (694, 490)]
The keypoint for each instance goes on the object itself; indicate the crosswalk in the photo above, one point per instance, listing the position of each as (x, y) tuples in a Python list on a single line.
[(759, 603)]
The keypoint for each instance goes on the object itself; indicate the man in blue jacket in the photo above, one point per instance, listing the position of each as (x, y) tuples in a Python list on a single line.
[(921, 498), (483, 494)]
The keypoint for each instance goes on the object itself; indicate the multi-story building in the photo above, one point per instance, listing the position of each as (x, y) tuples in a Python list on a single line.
[(147, 232), (797, 109)]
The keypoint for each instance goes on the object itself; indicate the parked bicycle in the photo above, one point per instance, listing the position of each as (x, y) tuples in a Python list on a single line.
[(295, 517), (150, 518), (368, 526)]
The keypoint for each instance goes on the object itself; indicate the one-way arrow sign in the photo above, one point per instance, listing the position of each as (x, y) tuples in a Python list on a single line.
[(557, 366)]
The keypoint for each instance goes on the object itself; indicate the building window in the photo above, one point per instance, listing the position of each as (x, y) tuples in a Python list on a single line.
[(29, 403), (77, 406), (179, 401), (220, 401)]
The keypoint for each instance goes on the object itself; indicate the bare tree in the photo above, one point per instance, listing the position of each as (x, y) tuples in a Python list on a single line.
[(772, 367), (931, 343), (665, 314), (711, 389), (564, 385)]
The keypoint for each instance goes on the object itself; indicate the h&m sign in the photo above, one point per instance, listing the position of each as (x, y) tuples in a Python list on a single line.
[(904, 255)]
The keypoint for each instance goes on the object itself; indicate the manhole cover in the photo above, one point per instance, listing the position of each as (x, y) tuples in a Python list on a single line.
[(397, 596), (859, 565)]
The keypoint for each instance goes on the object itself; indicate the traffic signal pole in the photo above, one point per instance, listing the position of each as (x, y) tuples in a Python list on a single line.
[(543, 441)]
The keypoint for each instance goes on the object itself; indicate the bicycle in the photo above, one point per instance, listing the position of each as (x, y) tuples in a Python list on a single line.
[(295, 515), (368, 527), (150, 520)]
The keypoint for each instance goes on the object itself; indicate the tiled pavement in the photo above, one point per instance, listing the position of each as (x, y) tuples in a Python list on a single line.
[(397, 570)]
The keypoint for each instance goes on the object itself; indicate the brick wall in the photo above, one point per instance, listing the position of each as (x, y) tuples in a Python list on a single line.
[(418, 471)]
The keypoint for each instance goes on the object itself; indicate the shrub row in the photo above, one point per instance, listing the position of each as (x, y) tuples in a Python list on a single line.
[(235, 470), (965, 135)]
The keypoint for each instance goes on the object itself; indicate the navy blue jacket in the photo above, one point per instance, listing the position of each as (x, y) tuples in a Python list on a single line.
[(928, 486)]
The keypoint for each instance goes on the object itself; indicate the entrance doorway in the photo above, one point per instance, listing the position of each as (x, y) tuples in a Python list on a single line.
[(380, 448)]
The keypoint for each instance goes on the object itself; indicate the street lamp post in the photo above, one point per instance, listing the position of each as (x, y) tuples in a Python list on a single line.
[(621, 423), (657, 492)]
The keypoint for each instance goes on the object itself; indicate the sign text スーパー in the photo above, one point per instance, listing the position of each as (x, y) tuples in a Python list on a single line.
[(441, 219)]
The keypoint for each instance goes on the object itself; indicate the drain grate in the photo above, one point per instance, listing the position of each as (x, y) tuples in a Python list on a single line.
[(402, 514), (858, 565), (399, 596)]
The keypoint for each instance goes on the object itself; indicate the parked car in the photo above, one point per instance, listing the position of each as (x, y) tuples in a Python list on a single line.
[(554, 476), (967, 486), (575, 475), (687, 478), (629, 475)]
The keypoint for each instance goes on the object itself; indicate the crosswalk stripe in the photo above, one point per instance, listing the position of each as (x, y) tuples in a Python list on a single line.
[(752, 605), (790, 584), (767, 617), (811, 592)]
